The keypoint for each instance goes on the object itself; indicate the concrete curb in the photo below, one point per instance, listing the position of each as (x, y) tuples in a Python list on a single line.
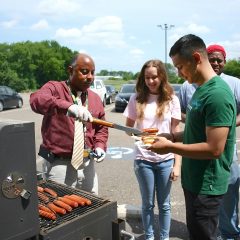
[(129, 211)]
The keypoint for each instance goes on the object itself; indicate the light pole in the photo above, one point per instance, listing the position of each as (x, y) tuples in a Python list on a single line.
[(165, 27)]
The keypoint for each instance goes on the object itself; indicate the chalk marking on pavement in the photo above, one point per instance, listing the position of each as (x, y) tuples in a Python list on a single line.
[(118, 152)]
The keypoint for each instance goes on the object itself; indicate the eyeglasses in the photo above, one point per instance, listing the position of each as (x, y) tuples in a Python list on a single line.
[(213, 60), (86, 71)]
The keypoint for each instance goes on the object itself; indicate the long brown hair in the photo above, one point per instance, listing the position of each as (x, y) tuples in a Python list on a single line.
[(165, 90)]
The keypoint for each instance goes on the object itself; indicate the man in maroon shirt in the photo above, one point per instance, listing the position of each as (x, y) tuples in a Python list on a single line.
[(57, 102)]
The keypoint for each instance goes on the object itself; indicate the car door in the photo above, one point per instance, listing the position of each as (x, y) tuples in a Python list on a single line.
[(4, 97), (113, 93), (11, 97)]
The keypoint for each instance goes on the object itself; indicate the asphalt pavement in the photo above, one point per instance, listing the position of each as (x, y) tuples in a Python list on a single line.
[(117, 181)]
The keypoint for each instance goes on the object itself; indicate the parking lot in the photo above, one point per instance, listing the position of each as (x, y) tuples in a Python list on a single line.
[(117, 181)]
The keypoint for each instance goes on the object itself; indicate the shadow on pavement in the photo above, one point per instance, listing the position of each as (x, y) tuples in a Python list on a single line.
[(178, 229)]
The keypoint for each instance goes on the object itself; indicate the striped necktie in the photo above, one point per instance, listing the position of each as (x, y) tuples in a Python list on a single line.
[(78, 146)]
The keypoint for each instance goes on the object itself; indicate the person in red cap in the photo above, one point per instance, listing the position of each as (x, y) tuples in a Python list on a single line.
[(228, 218)]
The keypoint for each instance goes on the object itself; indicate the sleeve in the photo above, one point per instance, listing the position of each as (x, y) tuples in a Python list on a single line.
[(182, 98), (237, 94), (176, 109), (220, 109), (131, 111), (46, 100)]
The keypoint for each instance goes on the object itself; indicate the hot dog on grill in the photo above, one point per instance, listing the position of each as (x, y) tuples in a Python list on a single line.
[(85, 200), (63, 205), (51, 192), (68, 201), (48, 215), (79, 201), (44, 208), (56, 209), (43, 197), (40, 189)]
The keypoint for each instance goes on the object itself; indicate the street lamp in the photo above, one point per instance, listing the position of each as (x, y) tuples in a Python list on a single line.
[(165, 27)]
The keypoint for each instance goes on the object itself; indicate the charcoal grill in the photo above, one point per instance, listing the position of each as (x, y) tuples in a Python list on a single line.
[(80, 223), (19, 202)]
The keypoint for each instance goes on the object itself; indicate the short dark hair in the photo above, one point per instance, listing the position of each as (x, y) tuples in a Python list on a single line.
[(73, 62), (186, 45)]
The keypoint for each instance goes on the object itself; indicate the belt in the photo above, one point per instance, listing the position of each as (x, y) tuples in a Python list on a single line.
[(50, 156)]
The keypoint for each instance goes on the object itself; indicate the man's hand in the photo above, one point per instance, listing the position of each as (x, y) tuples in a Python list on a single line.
[(80, 112), (161, 145), (101, 154)]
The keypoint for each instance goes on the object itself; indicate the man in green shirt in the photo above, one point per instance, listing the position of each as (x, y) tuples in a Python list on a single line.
[(207, 141)]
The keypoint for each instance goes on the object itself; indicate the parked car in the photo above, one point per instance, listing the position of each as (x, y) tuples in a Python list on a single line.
[(111, 94), (123, 96), (9, 98), (98, 87)]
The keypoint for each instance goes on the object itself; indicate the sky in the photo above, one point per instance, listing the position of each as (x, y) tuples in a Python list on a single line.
[(121, 35)]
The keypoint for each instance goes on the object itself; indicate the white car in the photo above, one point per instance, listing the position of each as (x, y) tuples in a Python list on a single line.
[(99, 88)]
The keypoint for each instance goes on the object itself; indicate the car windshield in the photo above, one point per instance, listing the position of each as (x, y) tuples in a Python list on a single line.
[(128, 89)]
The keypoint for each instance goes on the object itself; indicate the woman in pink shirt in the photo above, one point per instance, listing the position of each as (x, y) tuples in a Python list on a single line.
[(155, 106)]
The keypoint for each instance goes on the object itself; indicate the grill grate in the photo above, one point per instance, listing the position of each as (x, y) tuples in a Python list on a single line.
[(62, 190)]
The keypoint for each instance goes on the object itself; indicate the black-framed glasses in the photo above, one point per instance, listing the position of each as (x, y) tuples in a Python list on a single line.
[(213, 60), (85, 71)]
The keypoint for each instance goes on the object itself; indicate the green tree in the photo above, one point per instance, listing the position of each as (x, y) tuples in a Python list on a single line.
[(172, 74), (232, 68)]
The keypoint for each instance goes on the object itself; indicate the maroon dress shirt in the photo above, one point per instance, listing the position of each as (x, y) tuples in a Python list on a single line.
[(53, 101)]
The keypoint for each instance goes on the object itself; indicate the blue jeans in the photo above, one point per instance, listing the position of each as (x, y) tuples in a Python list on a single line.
[(155, 177), (228, 217)]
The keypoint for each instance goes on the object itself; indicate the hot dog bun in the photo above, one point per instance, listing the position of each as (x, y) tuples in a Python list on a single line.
[(149, 140)]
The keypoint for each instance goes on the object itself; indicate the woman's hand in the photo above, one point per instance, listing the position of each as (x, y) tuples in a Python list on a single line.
[(175, 173)]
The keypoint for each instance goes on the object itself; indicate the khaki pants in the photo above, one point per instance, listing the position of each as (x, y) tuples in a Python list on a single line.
[(61, 171)]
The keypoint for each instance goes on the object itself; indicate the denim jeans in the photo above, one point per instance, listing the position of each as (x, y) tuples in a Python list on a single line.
[(228, 216), (155, 178)]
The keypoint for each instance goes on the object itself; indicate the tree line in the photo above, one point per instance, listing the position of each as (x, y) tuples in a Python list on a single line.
[(28, 65)]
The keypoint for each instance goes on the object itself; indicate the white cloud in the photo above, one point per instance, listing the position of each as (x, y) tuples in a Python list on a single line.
[(40, 25), (132, 38), (146, 42), (9, 24), (107, 31), (104, 24), (58, 7), (189, 28), (68, 33), (136, 51), (135, 56), (82, 51), (198, 29)]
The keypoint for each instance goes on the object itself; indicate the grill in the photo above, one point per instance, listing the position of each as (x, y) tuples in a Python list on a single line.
[(19, 201), (100, 216)]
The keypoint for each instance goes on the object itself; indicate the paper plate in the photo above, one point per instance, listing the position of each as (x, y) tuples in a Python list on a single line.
[(142, 145)]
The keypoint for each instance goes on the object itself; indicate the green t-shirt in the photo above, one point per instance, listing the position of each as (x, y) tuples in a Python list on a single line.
[(212, 104)]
